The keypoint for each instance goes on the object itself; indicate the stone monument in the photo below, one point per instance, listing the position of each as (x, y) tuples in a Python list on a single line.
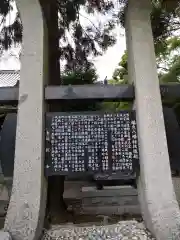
[(25, 216), (159, 208)]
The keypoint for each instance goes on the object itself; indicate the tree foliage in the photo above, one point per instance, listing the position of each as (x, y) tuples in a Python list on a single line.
[(168, 66), (121, 71), (10, 32), (79, 78), (77, 41), (164, 18), (168, 60), (119, 77), (116, 106)]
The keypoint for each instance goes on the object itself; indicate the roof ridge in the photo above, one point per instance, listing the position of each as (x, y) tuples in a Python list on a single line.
[(9, 71)]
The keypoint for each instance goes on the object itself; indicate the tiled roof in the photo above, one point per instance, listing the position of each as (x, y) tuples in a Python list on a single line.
[(9, 78)]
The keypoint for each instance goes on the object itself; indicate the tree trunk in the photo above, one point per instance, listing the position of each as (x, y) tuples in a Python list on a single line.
[(54, 65), (55, 204), (170, 5)]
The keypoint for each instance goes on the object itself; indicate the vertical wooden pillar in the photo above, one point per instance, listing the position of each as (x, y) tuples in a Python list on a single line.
[(156, 193), (26, 211)]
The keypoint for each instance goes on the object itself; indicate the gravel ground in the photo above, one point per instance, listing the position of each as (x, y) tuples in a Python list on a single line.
[(124, 230)]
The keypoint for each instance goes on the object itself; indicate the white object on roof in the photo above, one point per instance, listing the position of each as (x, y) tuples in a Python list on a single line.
[(9, 78)]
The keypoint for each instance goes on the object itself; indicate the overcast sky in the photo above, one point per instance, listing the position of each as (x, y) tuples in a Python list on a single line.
[(105, 64)]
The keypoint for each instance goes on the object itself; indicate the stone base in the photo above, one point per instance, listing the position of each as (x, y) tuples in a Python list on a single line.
[(176, 183), (5, 236), (112, 200)]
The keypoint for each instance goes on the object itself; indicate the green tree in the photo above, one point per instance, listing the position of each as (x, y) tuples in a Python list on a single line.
[(120, 73), (168, 60), (80, 78), (116, 106), (168, 65), (63, 19), (90, 40), (164, 18)]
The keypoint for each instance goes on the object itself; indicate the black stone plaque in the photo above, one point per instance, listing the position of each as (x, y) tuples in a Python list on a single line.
[(8, 134), (173, 137), (7, 144), (91, 143)]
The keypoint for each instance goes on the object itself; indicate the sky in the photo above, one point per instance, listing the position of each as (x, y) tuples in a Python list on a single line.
[(105, 64)]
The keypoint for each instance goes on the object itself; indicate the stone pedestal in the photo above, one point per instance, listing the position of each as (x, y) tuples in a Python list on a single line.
[(5, 236), (156, 193), (26, 211)]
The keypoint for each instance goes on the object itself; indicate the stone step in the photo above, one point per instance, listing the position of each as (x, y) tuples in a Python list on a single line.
[(109, 191), (78, 191), (105, 206), (111, 210), (110, 201), (118, 200)]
